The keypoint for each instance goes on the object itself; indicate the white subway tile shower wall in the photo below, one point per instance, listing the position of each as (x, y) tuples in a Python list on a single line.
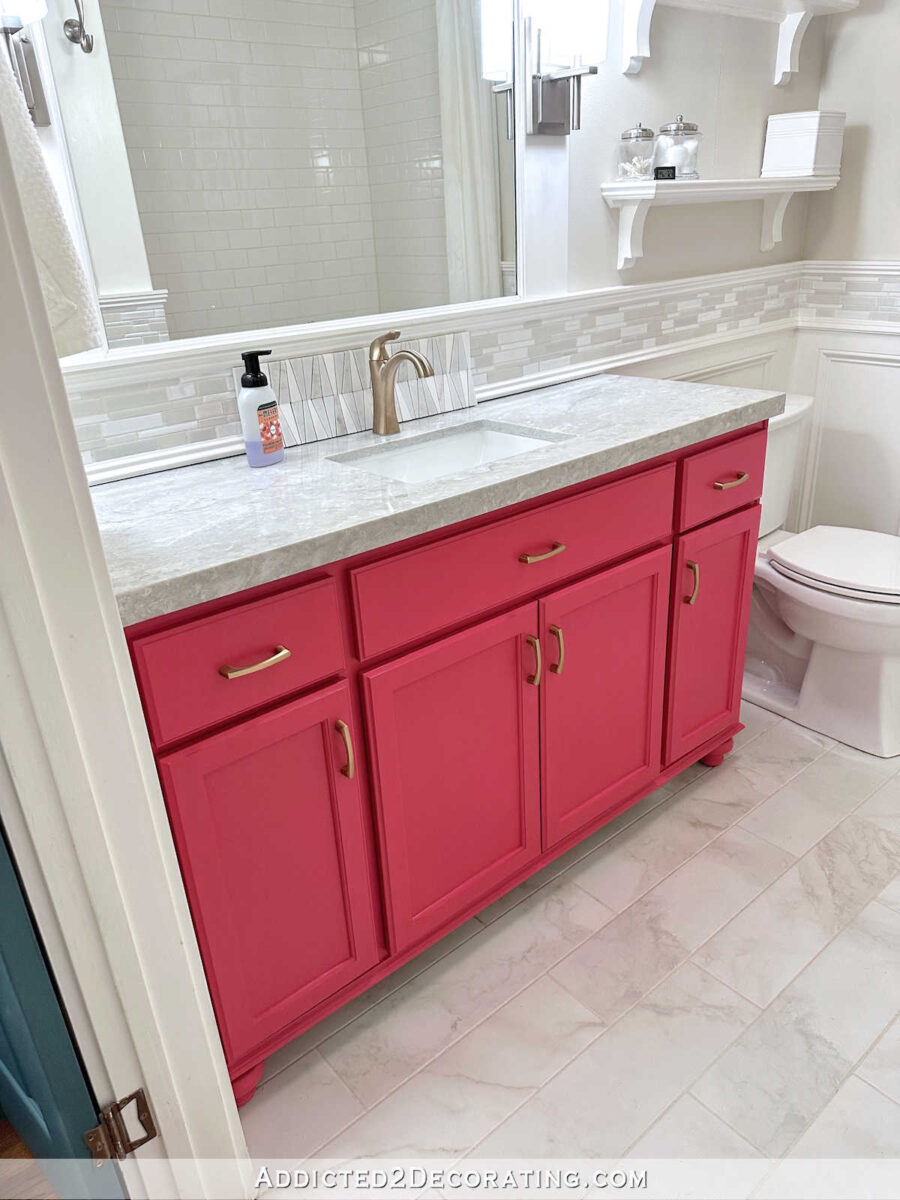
[(398, 59), (328, 395), (248, 157)]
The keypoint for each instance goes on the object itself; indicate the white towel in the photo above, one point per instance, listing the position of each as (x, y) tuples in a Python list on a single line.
[(67, 293)]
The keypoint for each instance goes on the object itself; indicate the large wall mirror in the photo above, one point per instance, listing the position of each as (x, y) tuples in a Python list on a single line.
[(247, 164)]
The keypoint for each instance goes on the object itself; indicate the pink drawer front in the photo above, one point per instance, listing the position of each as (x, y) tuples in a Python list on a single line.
[(721, 480), (411, 595), (184, 671)]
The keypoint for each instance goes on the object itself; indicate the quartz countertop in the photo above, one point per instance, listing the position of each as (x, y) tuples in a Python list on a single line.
[(196, 533)]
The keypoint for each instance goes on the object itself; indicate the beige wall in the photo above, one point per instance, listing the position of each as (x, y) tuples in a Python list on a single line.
[(861, 220), (718, 71)]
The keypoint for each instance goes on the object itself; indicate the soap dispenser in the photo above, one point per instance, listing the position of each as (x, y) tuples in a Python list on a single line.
[(258, 410)]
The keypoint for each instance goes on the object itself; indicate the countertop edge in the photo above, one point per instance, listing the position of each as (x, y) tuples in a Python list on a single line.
[(231, 577)]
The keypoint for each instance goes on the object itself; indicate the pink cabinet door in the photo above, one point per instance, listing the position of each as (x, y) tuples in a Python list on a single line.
[(269, 831), (602, 705), (454, 737), (711, 591)]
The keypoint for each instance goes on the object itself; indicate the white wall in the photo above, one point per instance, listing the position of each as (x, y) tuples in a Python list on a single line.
[(718, 71), (97, 153), (861, 220)]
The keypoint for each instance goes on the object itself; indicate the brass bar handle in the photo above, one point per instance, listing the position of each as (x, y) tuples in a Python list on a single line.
[(556, 548), (282, 654), (742, 477), (694, 568), (557, 667), (344, 730), (535, 643)]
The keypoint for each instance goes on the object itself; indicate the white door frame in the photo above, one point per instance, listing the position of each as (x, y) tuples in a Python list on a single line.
[(81, 801)]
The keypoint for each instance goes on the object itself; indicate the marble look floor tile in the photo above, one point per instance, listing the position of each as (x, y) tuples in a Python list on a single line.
[(859, 1122), (688, 1130), (605, 1098), (756, 720), (355, 1008), (765, 946), (299, 1110), (881, 1066), (783, 1070), (469, 1089), (565, 861), (804, 810), (617, 966), (891, 894), (771, 760), (397, 1037), (623, 869)]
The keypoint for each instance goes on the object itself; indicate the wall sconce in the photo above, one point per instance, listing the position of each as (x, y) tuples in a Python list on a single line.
[(564, 41)]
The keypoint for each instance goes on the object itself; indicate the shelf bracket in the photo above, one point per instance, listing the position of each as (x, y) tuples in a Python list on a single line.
[(632, 216), (774, 208), (636, 34), (790, 39)]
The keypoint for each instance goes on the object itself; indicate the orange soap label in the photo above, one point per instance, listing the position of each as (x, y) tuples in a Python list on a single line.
[(269, 428)]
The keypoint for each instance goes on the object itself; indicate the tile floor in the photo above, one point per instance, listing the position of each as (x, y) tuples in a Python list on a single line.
[(715, 974)]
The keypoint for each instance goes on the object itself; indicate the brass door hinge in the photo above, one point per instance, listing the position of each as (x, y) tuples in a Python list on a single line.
[(111, 1138)]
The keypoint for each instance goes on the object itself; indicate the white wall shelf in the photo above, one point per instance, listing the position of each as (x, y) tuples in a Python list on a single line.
[(792, 17), (633, 200)]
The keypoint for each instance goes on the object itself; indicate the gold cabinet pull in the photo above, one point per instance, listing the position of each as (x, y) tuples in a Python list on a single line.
[(694, 568), (742, 477), (556, 548), (344, 730), (282, 654), (557, 667), (535, 643)]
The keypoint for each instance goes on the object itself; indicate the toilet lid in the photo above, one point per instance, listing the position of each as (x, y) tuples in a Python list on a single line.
[(853, 560)]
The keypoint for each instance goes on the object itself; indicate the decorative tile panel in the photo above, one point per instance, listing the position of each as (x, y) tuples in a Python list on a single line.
[(328, 395)]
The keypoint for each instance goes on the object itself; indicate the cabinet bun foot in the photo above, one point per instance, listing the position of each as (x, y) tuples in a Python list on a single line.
[(244, 1086), (716, 757)]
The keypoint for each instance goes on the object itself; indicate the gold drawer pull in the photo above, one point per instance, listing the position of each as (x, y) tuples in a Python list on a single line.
[(694, 568), (535, 643), (557, 548), (282, 654), (557, 667), (742, 477), (344, 730)]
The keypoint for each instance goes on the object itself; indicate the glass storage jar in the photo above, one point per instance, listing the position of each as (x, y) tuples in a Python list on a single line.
[(636, 153), (676, 146)]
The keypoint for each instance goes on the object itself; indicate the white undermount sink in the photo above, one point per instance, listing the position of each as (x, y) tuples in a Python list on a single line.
[(419, 459)]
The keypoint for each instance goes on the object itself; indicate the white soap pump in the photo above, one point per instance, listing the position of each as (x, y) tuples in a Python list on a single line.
[(258, 410)]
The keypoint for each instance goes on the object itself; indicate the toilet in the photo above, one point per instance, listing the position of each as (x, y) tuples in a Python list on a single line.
[(824, 642)]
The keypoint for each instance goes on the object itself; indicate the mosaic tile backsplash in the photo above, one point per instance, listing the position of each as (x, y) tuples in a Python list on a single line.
[(194, 406), (326, 395)]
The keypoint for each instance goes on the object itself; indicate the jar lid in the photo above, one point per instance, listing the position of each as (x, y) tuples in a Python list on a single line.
[(679, 125), (638, 133)]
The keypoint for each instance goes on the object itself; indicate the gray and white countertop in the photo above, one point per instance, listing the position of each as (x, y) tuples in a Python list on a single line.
[(196, 533)]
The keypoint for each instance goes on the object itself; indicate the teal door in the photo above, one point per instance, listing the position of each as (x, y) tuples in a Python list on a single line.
[(43, 1091)]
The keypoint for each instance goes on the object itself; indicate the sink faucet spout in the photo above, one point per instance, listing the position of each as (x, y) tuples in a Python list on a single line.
[(383, 369)]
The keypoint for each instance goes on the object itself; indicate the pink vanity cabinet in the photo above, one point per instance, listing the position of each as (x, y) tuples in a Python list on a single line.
[(358, 759)]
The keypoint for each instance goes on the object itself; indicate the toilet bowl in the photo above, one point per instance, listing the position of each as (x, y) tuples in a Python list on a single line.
[(827, 603), (824, 640)]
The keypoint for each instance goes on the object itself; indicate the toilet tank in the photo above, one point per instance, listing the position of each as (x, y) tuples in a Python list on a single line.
[(787, 434)]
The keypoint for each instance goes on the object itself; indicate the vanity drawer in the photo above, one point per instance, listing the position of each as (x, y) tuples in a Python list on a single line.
[(269, 648), (407, 597), (720, 480)]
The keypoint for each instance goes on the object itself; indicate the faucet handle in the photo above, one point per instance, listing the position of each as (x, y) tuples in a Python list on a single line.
[(377, 352)]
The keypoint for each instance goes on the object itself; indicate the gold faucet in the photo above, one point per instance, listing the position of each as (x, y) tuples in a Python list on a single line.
[(383, 369)]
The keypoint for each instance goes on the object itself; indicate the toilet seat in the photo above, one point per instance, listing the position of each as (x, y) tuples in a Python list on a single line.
[(857, 563)]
